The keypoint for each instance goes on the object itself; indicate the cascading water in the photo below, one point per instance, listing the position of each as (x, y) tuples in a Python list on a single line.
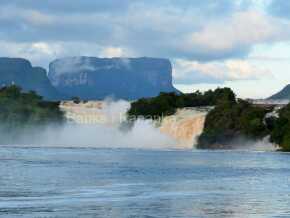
[(99, 124), (96, 123), (109, 113), (178, 131), (185, 126)]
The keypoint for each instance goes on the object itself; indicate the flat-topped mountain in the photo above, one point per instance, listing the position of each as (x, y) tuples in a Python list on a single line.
[(20, 72), (284, 94), (97, 78)]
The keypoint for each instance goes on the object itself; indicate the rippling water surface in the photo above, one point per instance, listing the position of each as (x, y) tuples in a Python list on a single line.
[(56, 182)]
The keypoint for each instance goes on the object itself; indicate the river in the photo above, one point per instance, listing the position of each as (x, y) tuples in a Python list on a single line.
[(87, 182)]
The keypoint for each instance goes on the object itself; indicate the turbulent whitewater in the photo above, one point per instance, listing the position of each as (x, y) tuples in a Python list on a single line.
[(185, 126), (108, 112), (178, 131)]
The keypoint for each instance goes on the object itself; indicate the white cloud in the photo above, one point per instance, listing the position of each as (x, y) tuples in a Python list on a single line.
[(37, 52), (28, 16), (111, 52), (41, 53), (37, 18), (172, 31), (44, 48), (242, 29), (216, 72), (144, 30)]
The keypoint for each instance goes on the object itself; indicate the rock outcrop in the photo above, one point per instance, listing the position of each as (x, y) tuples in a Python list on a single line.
[(20, 72), (93, 78)]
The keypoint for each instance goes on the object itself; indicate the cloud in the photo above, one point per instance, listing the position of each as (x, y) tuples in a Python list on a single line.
[(201, 37), (212, 7), (67, 6), (279, 8), (235, 35), (41, 53), (111, 52), (188, 72), (164, 28), (71, 65), (38, 53)]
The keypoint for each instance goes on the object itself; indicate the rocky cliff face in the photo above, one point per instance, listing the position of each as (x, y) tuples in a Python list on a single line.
[(20, 72), (122, 78)]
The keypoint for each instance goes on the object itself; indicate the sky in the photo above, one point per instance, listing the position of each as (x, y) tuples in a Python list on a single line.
[(242, 44)]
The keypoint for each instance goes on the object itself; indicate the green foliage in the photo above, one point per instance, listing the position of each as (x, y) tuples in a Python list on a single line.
[(280, 133), (231, 120), (76, 100), (20, 111), (166, 103)]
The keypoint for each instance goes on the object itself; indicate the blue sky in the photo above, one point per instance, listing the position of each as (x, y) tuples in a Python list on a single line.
[(243, 44)]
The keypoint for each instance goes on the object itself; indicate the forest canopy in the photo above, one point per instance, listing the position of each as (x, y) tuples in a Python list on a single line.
[(21, 111), (166, 104)]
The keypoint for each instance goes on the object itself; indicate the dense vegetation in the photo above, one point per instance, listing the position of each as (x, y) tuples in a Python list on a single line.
[(167, 103), (280, 129), (232, 120), (20, 111)]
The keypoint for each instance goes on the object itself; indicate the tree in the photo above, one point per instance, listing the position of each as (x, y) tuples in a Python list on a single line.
[(76, 100), (280, 133), (20, 111), (231, 120), (167, 103)]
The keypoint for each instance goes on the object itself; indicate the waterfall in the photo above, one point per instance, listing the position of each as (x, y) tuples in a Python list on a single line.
[(108, 112), (179, 131), (185, 126)]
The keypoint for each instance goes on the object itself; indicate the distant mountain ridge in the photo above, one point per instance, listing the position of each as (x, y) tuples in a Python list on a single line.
[(284, 94), (20, 72), (91, 78), (97, 78)]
